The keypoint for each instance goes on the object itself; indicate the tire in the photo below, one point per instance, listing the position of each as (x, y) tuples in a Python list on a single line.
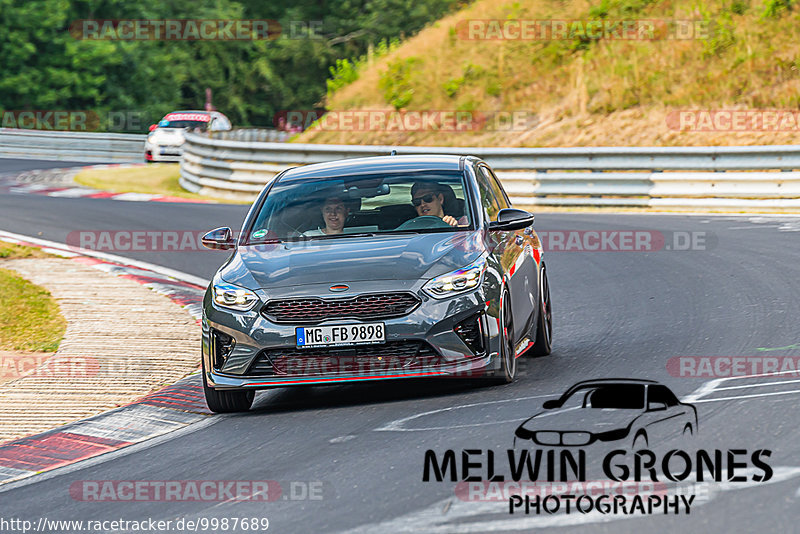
[(227, 401), (544, 324), (508, 360), (641, 436)]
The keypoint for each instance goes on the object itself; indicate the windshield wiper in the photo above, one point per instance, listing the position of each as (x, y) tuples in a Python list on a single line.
[(333, 236), (264, 242)]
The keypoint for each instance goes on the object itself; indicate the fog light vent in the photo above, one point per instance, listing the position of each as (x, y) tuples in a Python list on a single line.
[(471, 333), (223, 346)]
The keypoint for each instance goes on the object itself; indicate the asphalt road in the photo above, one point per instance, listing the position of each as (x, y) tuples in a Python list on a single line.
[(9, 166), (616, 314)]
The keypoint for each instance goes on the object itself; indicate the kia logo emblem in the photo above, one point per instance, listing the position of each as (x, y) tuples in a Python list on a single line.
[(340, 287)]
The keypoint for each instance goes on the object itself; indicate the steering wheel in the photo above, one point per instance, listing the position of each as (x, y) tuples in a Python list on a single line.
[(423, 221)]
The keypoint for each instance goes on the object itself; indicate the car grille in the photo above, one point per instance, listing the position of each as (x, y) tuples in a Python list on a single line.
[(567, 438), (387, 358), (314, 310)]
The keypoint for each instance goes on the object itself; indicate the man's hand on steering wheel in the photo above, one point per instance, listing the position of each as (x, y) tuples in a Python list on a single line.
[(449, 219)]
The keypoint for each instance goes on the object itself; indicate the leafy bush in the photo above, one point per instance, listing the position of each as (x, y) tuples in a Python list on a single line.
[(722, 36), (451, 86), (738, 7), (774, 8), (494, 88), (344, 72), (395, 82)]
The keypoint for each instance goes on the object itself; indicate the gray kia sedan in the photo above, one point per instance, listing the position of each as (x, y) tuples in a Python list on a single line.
[(374, 269)]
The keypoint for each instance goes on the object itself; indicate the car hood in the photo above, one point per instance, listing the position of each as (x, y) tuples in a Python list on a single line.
[(580, 419), (383, 257), (167, 136)]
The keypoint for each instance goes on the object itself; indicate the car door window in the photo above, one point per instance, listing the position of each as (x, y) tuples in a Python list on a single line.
[(499, 193), (661, 394), (488, 200)]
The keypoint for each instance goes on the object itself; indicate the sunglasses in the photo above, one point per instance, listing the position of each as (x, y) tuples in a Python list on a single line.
[(427, 199)]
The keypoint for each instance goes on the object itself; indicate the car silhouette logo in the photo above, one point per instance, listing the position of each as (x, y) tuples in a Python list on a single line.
[(339, 288), (642, 412)]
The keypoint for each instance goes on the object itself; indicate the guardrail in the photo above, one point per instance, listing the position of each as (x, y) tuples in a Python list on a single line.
[(747, 177), (71, 146)]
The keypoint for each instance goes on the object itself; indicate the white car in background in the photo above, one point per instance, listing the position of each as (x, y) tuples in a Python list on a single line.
[(165, 140)]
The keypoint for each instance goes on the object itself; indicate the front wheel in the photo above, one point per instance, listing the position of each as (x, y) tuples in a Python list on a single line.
[(227, 401), (544, 325), (508, 359)]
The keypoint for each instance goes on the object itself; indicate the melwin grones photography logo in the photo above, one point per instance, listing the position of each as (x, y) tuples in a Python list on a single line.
[(620, 428)]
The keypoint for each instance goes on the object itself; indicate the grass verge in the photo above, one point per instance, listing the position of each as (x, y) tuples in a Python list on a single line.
[(581, 90), (154, 179), (30, 319), (12, 251)]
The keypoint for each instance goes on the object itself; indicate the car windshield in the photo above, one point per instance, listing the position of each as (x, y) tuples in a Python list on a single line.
[(342, 206), (608, 396), (183, 124)]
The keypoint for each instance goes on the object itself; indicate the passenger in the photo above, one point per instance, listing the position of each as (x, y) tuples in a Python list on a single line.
[(334, 213), (428, 200)]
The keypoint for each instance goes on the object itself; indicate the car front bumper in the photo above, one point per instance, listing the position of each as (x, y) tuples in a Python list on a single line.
[(431, 325), (156, 152)]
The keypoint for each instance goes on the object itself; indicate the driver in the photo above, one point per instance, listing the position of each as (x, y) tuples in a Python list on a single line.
[(428, 200)]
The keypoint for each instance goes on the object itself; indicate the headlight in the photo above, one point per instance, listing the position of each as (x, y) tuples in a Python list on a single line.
[(456, 282), (233, 297)]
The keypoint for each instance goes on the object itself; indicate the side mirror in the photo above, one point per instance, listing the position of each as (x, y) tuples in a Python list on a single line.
[(552, 403), (656, 406), (219, 239), (509, 219), (152, 127)]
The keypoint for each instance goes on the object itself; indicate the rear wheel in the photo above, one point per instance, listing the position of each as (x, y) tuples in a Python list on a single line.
[(508, 360), (544, 325), (227, 401)]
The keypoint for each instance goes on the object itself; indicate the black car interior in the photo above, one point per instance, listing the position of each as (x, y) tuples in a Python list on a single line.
[(298, 217)]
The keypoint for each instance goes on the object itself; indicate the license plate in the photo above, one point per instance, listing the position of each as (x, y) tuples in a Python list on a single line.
[(170, 152), (346, 334)]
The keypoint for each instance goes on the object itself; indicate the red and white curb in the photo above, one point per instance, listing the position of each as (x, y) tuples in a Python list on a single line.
[(167, 410), (172, 408), (39, 186)]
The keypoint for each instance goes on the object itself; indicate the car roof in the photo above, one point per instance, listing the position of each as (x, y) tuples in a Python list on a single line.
[(203, 111), (189, 111), (378, 165), (612, 381)]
